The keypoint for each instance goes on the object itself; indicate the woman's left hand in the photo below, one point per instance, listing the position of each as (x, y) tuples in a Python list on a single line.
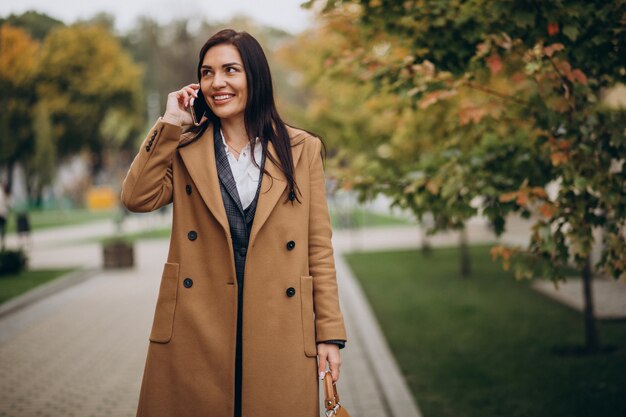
[(328, 352)]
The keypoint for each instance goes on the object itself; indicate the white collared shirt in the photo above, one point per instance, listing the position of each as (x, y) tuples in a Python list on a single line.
[(245, 173)]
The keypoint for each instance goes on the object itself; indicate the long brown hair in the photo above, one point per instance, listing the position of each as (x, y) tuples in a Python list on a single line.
[(261, 117)]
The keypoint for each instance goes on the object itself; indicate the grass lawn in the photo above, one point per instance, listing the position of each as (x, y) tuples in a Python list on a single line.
[(14, 285), (360, 217), (487, 345), (41, 219)]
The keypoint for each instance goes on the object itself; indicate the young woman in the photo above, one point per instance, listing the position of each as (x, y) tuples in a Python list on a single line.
[(248, 299)]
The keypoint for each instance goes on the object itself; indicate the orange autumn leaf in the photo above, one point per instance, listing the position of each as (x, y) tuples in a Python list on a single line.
[(507, 197), (494, 62), (547, 210), (558, 158), (579, 76), (551, 49), (471, 115), (432, 187), (505, 253), (522, 199), (539, 192), (553, 28), (433, 97)]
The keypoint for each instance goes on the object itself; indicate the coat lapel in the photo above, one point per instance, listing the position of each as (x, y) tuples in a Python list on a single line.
[(273, 184), (224, 171), (199, 158)]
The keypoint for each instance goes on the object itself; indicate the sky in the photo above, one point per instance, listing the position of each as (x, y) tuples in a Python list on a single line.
[(283, 14)]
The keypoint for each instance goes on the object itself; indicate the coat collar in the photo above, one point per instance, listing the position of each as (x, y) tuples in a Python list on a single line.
[(200, 159)]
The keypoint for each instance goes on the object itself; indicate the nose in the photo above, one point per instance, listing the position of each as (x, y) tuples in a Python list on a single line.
[(219, 81)]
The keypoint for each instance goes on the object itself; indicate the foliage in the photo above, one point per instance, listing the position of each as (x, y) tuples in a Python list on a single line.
[(85, 77), (36, 24), (494, 108), (12, 261), (18, 69)]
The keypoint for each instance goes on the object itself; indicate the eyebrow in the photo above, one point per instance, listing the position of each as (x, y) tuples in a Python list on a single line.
[(230, 64)]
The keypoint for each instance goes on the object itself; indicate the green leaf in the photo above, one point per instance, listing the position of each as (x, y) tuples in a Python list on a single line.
[(571, 32)]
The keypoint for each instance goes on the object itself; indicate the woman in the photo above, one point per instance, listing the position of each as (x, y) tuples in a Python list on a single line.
[(248, 297)]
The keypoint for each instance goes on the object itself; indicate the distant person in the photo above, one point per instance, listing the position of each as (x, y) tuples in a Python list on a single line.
[(23, 228), (248, 201), (4, 213)]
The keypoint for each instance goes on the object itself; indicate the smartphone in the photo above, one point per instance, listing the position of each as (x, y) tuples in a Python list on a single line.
[(199, 109)]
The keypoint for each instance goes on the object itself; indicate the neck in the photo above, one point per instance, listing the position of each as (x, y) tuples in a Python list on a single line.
[(235, 132)]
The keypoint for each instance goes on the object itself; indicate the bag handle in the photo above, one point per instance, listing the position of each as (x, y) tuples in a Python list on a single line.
[(331, 397)]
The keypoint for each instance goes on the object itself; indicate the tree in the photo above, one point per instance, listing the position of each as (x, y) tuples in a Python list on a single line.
[(36, 24), (18, 67), (43, 162), (85, 76), (516, 87)]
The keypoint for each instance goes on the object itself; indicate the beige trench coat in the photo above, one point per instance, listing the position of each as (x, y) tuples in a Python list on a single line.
[(190, 366)]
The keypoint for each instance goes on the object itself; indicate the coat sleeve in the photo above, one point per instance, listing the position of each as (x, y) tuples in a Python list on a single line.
[(148, 183), (329, 323)]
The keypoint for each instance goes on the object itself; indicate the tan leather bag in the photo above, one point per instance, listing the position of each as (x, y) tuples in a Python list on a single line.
[(331, 398)]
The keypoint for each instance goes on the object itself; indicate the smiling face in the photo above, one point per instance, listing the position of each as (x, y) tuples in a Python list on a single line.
[(223, 82)]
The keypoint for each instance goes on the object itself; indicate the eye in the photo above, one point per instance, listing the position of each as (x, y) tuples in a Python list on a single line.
[(231, 69), (205, 72)]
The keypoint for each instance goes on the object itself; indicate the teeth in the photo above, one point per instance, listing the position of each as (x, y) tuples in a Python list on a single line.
[(224, 97)]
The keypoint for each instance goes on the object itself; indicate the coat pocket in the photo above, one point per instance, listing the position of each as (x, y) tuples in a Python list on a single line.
[(163, 323), (308, 315)]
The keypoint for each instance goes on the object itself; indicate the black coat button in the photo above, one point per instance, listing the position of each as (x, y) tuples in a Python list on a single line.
[(192, 235), (292, 195), (187, 282), (291, 291), (291, 244), (243, 251), (188, 189)]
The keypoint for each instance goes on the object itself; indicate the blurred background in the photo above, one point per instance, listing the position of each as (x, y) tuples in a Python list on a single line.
[(476, 183)]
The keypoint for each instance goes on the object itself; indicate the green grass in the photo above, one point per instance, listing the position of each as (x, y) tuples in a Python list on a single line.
[(487, 345), (14, 285), (42, 219), (161, 233), (364, 218)]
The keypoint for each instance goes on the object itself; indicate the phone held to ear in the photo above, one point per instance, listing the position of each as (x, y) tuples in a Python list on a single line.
[(197, 109)]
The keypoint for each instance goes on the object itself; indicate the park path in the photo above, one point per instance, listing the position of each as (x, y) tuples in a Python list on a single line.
[(81, 351)]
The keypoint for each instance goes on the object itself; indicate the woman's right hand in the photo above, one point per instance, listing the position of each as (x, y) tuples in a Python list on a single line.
[(177, 104)]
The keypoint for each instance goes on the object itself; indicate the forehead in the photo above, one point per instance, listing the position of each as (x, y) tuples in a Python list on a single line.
[(221, 54)]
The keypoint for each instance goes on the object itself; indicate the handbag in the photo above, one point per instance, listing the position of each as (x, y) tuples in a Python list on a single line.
[(331, 398)]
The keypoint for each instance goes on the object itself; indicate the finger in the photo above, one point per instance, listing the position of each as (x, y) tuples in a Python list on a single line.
[(321, 367), (191, 91), (185, 96), (334, 370)]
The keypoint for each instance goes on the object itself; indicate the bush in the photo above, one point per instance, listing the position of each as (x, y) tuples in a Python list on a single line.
[(12, 262)]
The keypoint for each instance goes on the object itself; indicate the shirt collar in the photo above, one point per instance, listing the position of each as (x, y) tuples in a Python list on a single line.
[(256, 140)]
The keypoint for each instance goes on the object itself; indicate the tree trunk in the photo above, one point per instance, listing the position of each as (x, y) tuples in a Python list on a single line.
[(592, 342), (9, 183), (464, 252)]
